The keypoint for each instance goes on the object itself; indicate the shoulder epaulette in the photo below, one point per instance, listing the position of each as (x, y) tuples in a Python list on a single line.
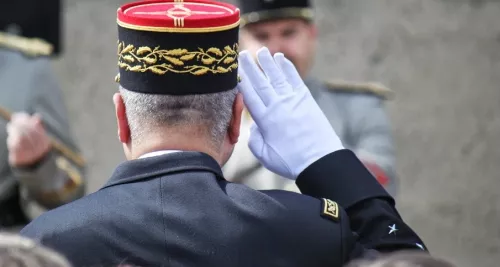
[(29, 46), (360, 87)]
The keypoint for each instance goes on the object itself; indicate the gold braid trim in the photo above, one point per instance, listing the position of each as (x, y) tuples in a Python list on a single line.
[(160, 61), (29, 46), (361, 87)]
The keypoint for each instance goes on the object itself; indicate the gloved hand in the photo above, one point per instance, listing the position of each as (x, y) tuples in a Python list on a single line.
[(290, 131)]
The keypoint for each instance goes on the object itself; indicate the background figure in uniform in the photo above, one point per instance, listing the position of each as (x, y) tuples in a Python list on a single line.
[(40, 166), (355, 110)]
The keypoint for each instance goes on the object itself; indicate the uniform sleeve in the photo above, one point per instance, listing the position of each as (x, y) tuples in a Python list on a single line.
[(59, 177), (319, 227), (371, 136), (342, 177)]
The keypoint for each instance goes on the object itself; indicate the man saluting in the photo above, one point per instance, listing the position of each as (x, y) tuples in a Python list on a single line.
[(178, 113)]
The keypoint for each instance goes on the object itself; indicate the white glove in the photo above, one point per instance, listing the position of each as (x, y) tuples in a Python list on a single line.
[(290, 132)]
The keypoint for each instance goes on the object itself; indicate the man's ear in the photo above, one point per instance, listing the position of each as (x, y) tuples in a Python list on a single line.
[(235, 123), (121, 119)]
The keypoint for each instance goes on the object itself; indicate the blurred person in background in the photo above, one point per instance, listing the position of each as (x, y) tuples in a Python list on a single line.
[(18, 251), (354, 109), (36, 172)]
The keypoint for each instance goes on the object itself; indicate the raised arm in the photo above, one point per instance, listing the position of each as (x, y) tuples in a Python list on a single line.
[(342, 177), (313, 153)]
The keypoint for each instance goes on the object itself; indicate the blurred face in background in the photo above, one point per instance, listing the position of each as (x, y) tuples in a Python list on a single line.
[(296, 38)]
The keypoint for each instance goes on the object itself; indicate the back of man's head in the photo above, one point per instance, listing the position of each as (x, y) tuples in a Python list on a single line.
[(204, 115), (177, 76)]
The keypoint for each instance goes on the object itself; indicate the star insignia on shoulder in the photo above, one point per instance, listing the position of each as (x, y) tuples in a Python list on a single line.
[(393, 229)]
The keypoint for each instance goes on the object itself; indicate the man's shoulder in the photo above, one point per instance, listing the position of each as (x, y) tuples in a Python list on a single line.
[(320, 220), (73, 216), (353, 89), (322, 212), (74, 235), (90, 230), (68, 217), (277, 206)]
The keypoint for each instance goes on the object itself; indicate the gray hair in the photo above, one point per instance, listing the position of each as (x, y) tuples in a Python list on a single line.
[(18, 251), (147, 112)]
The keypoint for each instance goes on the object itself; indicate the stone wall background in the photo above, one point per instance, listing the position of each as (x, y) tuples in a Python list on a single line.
[(441, 57)]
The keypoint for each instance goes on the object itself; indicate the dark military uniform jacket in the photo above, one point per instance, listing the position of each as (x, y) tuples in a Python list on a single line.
[(178, 210)]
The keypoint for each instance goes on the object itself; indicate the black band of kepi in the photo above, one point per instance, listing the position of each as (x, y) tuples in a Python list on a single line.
[(177, 63), (254, 11), (304, 13)]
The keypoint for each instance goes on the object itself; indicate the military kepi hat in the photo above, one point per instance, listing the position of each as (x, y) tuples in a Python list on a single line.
[(178, 47), (253, 11)]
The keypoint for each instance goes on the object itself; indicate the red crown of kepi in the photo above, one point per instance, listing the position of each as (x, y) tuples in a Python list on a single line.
[(181, 16), (178, 47)]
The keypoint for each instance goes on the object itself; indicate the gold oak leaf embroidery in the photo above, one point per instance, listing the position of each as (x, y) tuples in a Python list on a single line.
[(160, 61)]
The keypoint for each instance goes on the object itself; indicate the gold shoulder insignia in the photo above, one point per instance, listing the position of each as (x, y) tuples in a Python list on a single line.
[(29, 46), (330, 209), (361, 87)]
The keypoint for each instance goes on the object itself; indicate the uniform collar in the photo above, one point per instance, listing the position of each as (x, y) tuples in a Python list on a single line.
[(162, 163), (158, 153)]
